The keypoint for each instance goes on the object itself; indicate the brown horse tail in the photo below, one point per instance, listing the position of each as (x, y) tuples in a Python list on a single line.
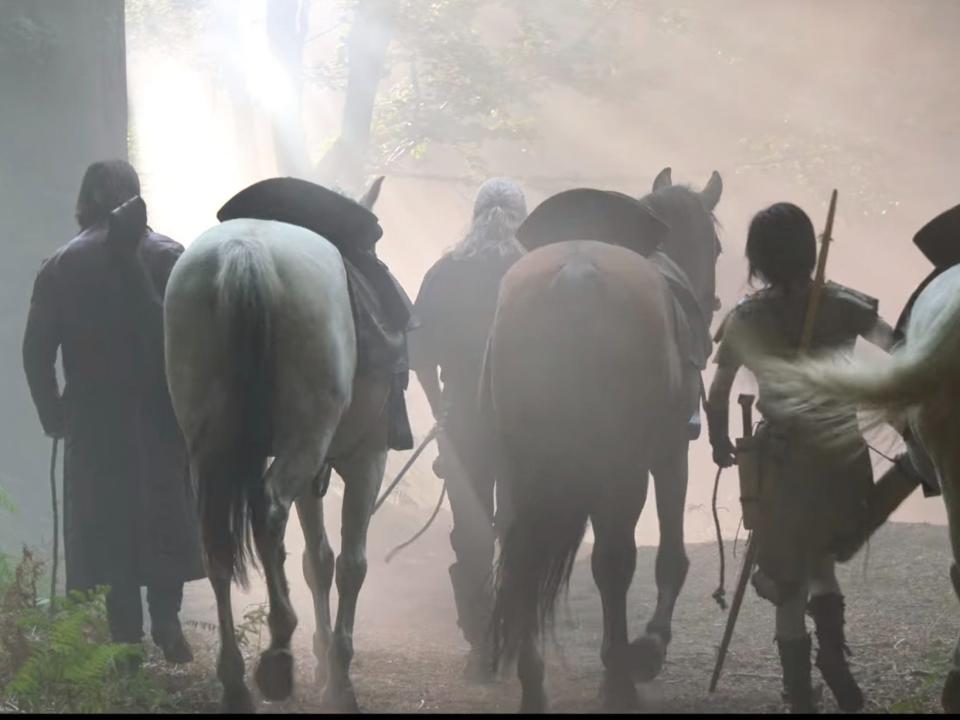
[(231, 484), (536, 559)]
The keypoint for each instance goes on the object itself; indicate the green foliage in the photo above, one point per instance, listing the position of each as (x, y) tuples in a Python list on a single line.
[(6, 566), (6, 503), (463, 72), (254, 620), (924, 696), (62, 660), (249, 628)]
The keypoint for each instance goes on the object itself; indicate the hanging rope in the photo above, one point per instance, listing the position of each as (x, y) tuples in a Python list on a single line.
[(720, 593), (436, 511), (56, 521)]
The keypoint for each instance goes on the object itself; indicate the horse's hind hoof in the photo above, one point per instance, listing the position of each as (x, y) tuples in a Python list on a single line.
[(237, 703), (646, 656), (343, 702), (533, 704), (950, 699), (478, 669), (274, 674), (619, 696)]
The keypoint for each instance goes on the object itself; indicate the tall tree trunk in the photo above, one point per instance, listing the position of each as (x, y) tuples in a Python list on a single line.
[(287, 23), (63, 95), (370, 35)]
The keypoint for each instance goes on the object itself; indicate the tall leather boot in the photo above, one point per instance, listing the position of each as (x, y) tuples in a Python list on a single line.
[(795, 661), (473, 617), (832, 651)]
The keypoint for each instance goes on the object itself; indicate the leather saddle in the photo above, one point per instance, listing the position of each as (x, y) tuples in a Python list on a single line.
[(382, 310), (619, 219)]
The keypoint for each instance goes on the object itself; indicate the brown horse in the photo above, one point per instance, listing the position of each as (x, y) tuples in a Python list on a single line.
[(586, 388)]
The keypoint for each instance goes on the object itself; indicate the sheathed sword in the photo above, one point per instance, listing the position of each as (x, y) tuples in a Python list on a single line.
[(806, 336), (746, 408)]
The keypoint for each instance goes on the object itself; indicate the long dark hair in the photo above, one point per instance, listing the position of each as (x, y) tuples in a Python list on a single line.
[(781, 246), (106, 185)]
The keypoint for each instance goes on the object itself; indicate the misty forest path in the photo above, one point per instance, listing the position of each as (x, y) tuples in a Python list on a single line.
[(902, 622)]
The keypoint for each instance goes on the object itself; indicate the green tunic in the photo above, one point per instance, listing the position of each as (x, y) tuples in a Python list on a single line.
[(811, 496)]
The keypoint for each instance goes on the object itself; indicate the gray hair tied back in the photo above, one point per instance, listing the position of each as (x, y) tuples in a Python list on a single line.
[(498, 210)]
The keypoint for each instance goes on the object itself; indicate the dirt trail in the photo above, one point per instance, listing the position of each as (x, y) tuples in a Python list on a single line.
[(902, 622)]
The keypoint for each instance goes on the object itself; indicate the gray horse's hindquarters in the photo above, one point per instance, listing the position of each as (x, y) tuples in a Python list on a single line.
[(261, 360)]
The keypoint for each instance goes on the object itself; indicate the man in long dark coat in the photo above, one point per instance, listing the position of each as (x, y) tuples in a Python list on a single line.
[(129, 508), (455, 308)]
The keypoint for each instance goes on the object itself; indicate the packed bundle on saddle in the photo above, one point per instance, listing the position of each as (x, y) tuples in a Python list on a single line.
[(632, 223), (939, 241), (382, 311)]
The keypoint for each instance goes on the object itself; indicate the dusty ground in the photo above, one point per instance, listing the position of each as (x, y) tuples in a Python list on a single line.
[(902, 622)]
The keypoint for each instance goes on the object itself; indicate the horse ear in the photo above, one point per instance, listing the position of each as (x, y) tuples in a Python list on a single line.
[(663, 180), (710, 195), (369, 198)]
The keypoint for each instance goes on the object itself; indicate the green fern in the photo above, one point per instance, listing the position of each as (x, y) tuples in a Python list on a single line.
[(63, 661)]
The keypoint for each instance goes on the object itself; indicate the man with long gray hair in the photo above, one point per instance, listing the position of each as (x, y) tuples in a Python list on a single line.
[(455, 309)]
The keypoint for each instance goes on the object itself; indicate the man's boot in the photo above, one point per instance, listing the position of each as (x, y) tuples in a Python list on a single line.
[(795, 661), (832, 651), (473, 616), (169, 637)]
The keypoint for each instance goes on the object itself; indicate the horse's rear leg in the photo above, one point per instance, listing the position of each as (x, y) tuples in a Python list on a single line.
[(670, 483), (288, 477), (950, 698), (318, 571), (230, 667), (531, 672), (613, 562), (362, 475)]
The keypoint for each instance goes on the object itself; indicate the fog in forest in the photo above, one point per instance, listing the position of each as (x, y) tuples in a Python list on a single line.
[(786, 100)]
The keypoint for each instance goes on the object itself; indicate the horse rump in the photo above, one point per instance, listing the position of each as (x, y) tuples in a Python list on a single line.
[(570, 334)]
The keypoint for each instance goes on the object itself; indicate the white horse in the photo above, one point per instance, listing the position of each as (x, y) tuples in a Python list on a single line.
[(261, 357), (918, 386)]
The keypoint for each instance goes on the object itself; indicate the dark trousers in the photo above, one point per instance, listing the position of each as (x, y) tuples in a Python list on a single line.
[(466, 462), (125, 610)]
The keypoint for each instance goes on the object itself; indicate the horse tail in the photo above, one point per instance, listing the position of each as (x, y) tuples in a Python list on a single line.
[(536, 559), (826, 392), (550, 503), (232, 481)]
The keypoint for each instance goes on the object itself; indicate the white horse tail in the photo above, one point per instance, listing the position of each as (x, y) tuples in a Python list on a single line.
[(246, 285), (824, 390)]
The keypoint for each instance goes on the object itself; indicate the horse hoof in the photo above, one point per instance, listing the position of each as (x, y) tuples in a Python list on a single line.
[(619, 696), (341, 702), (646, 656), (320, 675), (274, 674), (533, 704), (950, 699), (237, 703), (479, 669)]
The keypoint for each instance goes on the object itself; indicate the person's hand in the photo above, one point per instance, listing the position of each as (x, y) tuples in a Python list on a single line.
[(439, 412), (54, 424), (724, 453)]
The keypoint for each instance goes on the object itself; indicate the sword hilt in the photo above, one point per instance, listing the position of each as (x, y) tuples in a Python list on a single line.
[(746, 413)]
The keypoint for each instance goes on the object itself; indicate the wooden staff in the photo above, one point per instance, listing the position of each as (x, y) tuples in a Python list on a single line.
[(819, 280)]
